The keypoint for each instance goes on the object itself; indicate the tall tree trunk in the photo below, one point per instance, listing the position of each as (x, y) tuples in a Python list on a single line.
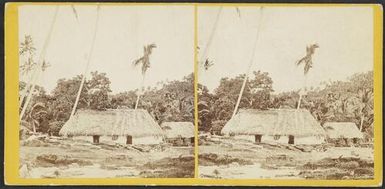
[(304, 91), (299, 101), (250, 65), (361, 122), (40, 63), (87, 65), (140, 92), (214, 29)]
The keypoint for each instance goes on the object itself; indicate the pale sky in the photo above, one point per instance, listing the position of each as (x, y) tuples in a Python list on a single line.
[(344, 34), (122, 33)]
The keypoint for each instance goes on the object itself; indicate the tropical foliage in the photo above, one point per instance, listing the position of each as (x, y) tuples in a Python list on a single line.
[(350, 100), (170, 101)]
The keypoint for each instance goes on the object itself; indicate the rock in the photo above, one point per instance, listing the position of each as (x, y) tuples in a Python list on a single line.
[(24, 171), (53, 174)]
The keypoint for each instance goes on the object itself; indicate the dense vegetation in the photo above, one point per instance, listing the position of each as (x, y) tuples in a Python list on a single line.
[(350, 100), (173, 101)]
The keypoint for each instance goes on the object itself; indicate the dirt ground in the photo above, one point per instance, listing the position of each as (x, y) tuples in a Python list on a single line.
[(54, 157), (225, 157)]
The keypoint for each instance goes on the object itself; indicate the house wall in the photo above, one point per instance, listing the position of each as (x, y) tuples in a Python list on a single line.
[(179, 141), (122, 139), (283, 139), (297, 140), (250, 138)]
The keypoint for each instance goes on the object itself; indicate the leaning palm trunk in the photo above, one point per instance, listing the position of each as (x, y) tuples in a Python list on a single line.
[(361, 122), (87, 65), (304, 91), (250, 65), (140, 92), (211, 36), (36, 73)]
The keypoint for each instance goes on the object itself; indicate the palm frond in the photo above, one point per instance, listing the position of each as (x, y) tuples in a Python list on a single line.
[(307, 59), (138, 61), (39, 104), (150, 47)]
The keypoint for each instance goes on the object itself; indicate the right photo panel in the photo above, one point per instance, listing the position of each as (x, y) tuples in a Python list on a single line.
[(285, 92)]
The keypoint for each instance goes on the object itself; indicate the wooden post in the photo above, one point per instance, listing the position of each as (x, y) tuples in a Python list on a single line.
[(258, 138), (291, 139), (96, 139), (129, 139)]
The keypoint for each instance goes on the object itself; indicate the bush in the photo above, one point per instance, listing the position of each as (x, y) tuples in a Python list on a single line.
[(54, 128)]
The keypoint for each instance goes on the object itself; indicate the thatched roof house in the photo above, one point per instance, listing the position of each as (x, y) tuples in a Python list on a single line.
[(178, 129), (114, 122), (274, 122), (345, 130)]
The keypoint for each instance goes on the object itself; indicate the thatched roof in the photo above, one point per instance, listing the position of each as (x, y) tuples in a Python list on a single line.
[(178, 129), (342, 130), (274, 122), (122, 122)]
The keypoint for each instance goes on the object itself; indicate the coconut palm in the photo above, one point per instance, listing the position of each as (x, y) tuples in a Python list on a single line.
[(27, 49), (208, 63), (36, 71), (308, 63), (88, 60), (144, 61), (212, 34), (250, 63), (307, 59)]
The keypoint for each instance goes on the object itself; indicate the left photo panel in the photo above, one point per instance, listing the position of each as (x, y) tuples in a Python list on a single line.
[(105, 91)]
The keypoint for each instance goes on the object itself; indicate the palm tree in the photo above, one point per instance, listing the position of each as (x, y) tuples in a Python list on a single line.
[(307, 60), (250, 64), (211, 36), (88, 60), (27, 49), (145, 62), (37, 70)]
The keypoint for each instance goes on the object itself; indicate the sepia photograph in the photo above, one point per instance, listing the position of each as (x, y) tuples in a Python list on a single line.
[(106, 91), (285, 92)]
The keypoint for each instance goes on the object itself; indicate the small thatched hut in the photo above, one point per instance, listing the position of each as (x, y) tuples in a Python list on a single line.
[(126, 126), (179, 133), (290, 126), (343, 131)]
